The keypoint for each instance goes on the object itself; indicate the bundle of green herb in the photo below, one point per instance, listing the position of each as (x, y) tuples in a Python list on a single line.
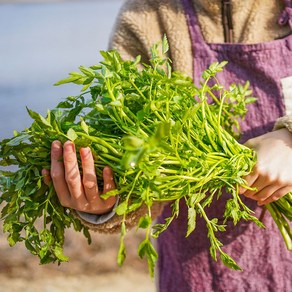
[(163, 145)]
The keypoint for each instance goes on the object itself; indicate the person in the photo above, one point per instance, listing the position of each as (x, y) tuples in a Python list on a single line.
[(254, 36)]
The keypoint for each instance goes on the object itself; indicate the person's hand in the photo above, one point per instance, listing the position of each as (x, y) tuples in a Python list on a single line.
[(272, 174), (74, 191)]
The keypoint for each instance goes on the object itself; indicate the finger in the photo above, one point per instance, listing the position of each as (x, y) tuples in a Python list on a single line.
[(108, 185), (46, 176), (102, 206), (265, 193), (258, 185), (276, 195), (250, 179), (89, 176), (72, 175), (58, 173), (108, 179)]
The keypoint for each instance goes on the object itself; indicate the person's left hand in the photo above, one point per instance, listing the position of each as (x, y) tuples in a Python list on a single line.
[(272, 174)]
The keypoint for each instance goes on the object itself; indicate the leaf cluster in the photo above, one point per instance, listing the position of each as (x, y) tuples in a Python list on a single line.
[(165, 139)]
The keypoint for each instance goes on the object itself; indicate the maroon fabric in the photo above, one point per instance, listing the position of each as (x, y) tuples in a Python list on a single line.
[(184, 263)]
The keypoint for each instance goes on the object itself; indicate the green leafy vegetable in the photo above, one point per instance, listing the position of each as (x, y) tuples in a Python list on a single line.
[(165, 139)]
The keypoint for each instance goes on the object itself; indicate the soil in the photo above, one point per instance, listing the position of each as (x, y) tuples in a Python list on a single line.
[(90, 268)]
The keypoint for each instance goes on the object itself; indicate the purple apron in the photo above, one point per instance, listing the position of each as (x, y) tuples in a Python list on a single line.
[(184, 263)]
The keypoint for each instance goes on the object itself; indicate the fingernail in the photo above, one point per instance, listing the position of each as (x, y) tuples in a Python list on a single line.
[(57, 144), (85, 151), (69, 146), (107, 170)]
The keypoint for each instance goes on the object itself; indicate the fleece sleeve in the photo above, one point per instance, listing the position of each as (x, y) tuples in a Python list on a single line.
[(284, 122), (113, 225)]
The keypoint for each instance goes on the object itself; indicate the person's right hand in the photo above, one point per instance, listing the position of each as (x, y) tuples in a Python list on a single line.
[(74, 191), (271, 177)]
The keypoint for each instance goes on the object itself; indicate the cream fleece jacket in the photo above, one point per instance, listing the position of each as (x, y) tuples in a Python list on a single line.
[(141, 23)]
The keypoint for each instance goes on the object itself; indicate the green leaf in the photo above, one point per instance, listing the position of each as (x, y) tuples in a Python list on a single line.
[(87, 71), (122, 249), (58, 251), (116, 103), (146, 249), (229, 262), (121, 209), (144, 222), (13, 238), (121, 254), (87, 234), (74, 77), (22, 137), (19, 185), (84, 126), (192, 214), (39, 119), (132, 143), (71, 134), (30, 247), (142, 249), (134, 206), (165, 46), (110, 194)]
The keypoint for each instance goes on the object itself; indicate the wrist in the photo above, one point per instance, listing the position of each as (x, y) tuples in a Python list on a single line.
[(284, 122), (98, 218)]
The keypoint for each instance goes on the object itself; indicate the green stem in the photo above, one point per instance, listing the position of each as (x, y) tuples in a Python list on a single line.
[(101, 142), (50, 194), (282, 225)]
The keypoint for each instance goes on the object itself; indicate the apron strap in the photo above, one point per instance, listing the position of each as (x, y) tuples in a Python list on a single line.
[(227, 21), (286, 15)]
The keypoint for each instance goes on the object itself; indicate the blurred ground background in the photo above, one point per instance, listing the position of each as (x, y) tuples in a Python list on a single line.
[(40, 42), (91, 267)]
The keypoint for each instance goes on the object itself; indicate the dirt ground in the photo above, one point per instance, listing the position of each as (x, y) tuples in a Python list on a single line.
[(91, 267)]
